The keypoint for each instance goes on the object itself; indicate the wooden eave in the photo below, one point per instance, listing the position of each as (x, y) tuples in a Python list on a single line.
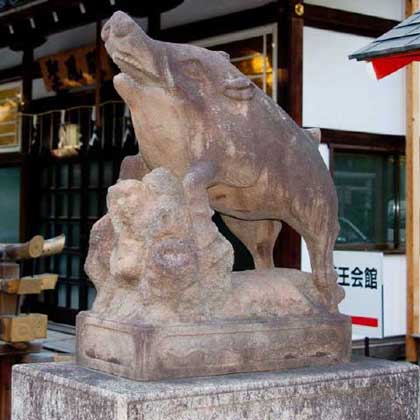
[(18, 31)]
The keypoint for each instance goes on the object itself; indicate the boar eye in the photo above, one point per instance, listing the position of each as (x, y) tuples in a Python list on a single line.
[(193, 69)]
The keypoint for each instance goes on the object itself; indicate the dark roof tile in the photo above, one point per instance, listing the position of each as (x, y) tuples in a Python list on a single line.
[(404, 37)]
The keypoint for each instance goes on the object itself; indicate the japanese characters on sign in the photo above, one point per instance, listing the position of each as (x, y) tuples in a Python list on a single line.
[(357, 277), (360, 274), (73, 68)]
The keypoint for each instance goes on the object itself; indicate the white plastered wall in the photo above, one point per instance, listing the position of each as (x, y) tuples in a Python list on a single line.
[(338, 93)]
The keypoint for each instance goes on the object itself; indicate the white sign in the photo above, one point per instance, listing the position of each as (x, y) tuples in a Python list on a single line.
[(360, 274)]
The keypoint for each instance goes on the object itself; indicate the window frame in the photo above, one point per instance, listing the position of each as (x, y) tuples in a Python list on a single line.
[(369, 143)]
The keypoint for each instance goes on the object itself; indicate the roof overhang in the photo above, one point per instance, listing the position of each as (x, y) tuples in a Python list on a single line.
[(394, 49), (28, 23)]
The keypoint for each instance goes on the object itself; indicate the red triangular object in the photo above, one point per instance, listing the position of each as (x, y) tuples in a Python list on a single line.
[(384, 66)]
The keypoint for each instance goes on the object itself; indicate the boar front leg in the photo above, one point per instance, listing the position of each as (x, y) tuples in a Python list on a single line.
[(133, 167), (200, 176), (259, 236)]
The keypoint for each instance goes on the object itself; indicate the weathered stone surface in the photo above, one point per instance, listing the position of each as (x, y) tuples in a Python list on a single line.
[(148, 262), (169, 306), (148, 352), (368, 389), (197, 115)]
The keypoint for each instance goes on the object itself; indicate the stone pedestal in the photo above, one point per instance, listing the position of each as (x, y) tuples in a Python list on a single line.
[(366, 389), (146, 352)]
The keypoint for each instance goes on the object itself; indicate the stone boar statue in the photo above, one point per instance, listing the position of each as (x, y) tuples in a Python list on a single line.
[(197, 115)]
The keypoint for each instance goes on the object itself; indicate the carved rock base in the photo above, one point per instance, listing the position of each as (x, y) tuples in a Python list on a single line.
[(147, 352)]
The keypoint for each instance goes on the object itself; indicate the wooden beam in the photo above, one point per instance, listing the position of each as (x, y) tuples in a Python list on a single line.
[(9, 304), (29, 285), (54, 245), (24, 286), (22, 251), (69, 16), (347, 22), (295, 61), (412, 199), (23, 328), (349, 140)]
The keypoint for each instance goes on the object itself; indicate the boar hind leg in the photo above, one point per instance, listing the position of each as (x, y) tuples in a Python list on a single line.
[(321, 249), (259, 236), (133, 167)]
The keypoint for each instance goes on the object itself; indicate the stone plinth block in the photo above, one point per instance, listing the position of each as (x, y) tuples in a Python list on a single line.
[(146, 352), (367, 389)]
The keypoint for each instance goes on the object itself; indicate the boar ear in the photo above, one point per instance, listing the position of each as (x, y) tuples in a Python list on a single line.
[(314, 134), (240, 88), (224, 54)]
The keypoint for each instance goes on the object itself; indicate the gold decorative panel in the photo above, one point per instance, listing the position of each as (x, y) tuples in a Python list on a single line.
[(10, 98)]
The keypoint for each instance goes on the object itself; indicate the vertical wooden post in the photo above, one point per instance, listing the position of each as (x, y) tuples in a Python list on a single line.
[(412, 153), (27, 66), (98, 75), (287, 250), (295, 60), (27, 79)]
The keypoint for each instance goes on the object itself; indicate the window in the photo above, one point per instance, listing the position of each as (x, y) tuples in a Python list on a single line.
[(72, 197), (371, 196), (253, 51)]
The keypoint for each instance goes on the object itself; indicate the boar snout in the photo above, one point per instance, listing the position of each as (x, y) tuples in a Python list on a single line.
[(119, 24)]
